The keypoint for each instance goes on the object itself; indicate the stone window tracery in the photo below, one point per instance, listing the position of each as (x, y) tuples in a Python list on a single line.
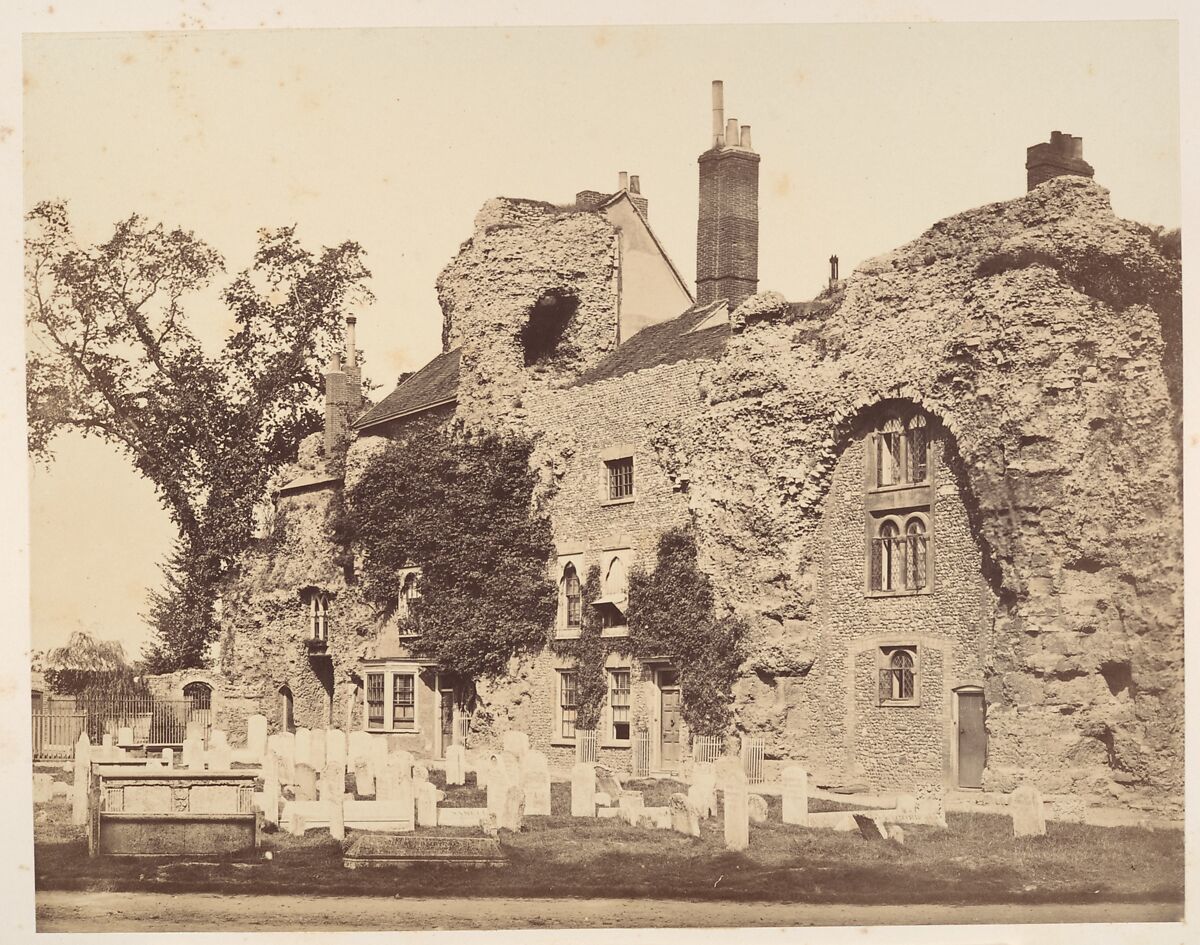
[(317, 603), (899, 682)]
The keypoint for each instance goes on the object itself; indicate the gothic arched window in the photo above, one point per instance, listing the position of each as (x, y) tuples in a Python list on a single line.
[(572, 597)]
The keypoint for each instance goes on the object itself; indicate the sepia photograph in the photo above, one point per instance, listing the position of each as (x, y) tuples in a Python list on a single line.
[(575, 476)]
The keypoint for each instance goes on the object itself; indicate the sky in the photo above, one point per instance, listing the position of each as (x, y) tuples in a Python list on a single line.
[(869, 133)]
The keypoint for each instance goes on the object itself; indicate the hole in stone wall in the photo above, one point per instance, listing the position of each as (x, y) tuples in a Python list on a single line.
[(542, 336), (1085, 563), (1118, 675)]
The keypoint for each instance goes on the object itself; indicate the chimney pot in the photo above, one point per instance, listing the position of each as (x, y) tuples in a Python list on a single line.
[(731, 133), (744, 140), (718, 112), (623, 180), (635, 185)]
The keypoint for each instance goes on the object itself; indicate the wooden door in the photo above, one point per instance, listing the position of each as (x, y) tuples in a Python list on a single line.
[(669, 749), (972, 739)]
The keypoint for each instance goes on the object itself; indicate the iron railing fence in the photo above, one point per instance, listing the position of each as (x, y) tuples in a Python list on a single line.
[(639, 757), (587, 745), (150, 721), (754, 751)]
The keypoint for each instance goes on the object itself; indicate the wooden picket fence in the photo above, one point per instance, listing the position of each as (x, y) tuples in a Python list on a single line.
[(587, 745)]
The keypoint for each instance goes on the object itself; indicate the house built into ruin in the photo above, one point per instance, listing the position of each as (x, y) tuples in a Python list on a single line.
[(944, 495)]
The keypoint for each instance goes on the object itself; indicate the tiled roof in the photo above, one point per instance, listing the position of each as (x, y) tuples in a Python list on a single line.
[(664, 343), (436, 383)]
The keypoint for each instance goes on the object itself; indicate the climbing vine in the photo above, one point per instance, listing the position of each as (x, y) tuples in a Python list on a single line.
[(461, 509), (672, 613), (591, 687)]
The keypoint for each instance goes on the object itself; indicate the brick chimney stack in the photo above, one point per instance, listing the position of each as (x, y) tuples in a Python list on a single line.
[(343, 392), (1062, 155), (727, 225)]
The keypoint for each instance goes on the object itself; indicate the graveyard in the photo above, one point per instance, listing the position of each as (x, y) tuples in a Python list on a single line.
[(320, 813)]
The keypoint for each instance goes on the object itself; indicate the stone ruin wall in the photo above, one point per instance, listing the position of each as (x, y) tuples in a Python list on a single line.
[(1026, 328), (520, 251)]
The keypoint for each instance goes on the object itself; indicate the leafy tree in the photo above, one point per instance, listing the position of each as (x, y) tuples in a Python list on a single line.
[(672, 613), (90, 667), (111, 354), (462, 510)]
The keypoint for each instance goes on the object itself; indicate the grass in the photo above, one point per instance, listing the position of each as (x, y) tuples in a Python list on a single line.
[(975, 860)]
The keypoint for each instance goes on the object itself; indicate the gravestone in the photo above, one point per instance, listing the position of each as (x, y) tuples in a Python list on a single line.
[(303, 751), (497, 785), (284, 746), (703, 790), (867, 827), (219, 756), (256, 735), (358, 746), (795, 795), (757, 807), (364, 778), (387, 780), (583, 790), (536, 785), (726, 768), (271, 791), (425, 795), (317, 752), (631, 804), (456, 765), (607, 782), (404, 761), (1028, 815), (517, 743), (193, 753), (534, 760), (685, 818), (895, 832), (906, 804), (125, 735), (419, 772), (737, 813), (333, 781), (406, 798), (510, 764), (337, 813), (385, 850), (931, 805), (511, 814), (335, 747), (306, 782), (461, 816), (43, 788), (83, 773)]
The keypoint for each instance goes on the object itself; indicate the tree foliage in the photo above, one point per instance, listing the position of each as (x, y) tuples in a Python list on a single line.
[(591, 684), (461, 509), (112, 354), (672, 613), (87, 666)]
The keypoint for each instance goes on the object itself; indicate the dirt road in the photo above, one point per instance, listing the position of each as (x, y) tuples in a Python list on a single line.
[(147, 912)]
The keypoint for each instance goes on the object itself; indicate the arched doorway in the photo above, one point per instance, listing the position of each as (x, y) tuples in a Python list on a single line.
[(287, 716)]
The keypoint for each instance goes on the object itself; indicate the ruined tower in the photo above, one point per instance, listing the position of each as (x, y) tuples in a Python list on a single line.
[(727, 227), (1061, 155)]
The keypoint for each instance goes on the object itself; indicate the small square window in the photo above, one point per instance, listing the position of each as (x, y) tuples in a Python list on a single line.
[(620, 478)]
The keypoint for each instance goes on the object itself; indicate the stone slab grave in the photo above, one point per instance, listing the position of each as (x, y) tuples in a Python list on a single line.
[(867, 827), (1028, 814), (299, 816), (757, 806), (462, 816), (384, 850)]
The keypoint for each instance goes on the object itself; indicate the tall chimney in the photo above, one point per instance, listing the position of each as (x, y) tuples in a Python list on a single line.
[(833, 270), (727, 224), (1061, 156), (336, 425), (623, 180)]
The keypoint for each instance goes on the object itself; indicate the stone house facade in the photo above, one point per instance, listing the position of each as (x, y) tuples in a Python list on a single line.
[(944, 495)]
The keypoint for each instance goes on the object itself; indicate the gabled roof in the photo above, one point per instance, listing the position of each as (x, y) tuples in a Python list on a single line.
[(664, 343), (311, 480), (435, 385)]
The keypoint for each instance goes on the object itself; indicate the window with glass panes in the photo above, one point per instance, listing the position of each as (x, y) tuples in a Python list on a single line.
[(572, 597), (620, 478), (618, 701), (567, 704), (374, 700), (404, 701), (897, 676)]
